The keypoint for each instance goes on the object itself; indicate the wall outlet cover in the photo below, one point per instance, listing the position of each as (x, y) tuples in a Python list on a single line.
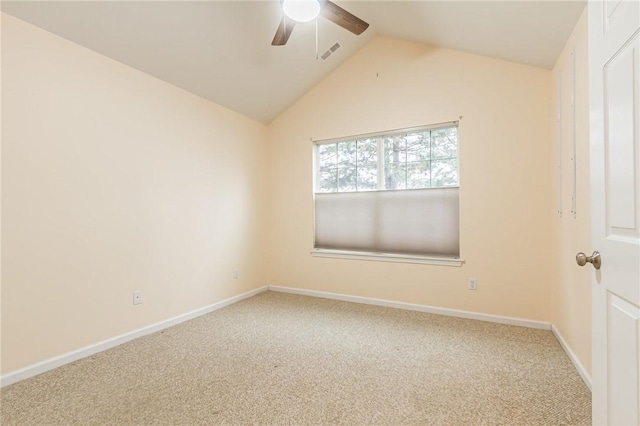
[(473, 284)]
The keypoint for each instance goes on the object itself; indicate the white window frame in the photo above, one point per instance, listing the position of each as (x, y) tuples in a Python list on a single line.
[(380, 256)]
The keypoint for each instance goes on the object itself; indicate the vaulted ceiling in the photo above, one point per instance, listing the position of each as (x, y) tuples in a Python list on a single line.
[(221, 50)]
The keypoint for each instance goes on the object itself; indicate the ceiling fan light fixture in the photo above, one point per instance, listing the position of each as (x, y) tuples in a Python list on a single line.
[(301, 10)]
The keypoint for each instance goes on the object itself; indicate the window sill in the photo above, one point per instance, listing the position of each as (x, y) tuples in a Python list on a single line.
[(387, 257)]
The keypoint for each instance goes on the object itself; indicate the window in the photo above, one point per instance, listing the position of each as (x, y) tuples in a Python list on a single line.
[(394, 193)]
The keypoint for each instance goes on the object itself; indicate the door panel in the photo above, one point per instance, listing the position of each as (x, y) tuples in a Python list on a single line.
[(620, 107), (614, 98), (624, 350)]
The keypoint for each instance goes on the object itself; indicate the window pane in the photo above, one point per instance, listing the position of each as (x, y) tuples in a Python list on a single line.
[(395, 149), (347, 166), (367, 164), (395, 159), (445, 143), (418, 175), (444, 173), (328, 179), (367, 152), (327, 155), (347, 180), (368, 178), (418, 146), (395, 176), (327, 168), (346, 154)]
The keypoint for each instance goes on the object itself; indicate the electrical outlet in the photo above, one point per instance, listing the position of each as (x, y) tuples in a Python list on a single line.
[(473, 284), (236, 273), (137, 297)]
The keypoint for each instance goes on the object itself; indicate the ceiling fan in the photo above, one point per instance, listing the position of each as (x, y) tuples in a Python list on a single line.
[(307, 10)]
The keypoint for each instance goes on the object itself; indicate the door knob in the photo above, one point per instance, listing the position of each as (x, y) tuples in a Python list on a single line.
[(595, 259)]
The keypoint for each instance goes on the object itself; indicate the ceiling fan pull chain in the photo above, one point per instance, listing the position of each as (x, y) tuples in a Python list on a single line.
[(316, 39)]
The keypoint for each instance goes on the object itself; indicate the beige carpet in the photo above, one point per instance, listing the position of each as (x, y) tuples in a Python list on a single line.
[(286, 359)]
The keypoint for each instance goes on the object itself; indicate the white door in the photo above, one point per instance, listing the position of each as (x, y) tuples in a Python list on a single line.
[(614, 92)]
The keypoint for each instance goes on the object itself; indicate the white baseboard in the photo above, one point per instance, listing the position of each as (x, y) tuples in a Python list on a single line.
[(414, 307), (586, 378), (51, 363)]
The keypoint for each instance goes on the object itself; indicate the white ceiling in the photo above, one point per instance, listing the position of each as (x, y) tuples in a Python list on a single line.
[(221, 50)]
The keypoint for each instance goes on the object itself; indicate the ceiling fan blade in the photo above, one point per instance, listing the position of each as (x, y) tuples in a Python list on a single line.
[(283, 32), (339, 16)]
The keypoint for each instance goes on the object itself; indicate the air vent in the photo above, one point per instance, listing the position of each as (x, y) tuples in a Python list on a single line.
[(330, 51)]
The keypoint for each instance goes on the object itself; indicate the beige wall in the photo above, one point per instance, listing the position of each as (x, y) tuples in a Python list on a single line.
[(506, 175), (571, 289), (114, 181)]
